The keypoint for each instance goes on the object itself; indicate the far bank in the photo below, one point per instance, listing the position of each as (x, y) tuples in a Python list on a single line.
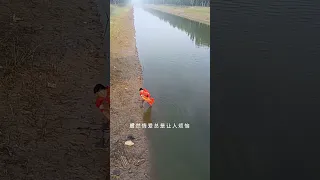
[(195, 13), (126, 162)]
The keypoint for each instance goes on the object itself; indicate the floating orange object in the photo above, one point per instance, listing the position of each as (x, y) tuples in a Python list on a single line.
[(145, 95), (149, 100)]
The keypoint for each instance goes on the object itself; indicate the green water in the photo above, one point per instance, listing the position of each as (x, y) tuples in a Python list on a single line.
[(175, 55)]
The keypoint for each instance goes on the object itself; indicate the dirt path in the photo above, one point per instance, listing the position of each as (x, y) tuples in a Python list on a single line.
[(127, 163), (198, 14), (51, 58)]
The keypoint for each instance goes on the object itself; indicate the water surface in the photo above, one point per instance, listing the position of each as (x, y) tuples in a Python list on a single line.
[(175, 55), (266, 64)]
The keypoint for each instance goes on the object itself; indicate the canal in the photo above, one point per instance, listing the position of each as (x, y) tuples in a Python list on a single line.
[(175, 55)]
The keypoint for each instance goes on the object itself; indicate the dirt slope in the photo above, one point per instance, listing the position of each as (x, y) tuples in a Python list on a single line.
[(51, 58), (127, 163)]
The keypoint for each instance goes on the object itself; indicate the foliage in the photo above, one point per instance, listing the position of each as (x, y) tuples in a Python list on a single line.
[(179, 2), (168, 2)]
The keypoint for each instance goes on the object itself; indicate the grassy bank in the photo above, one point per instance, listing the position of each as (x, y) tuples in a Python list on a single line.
[(195, 13), (115, 10), (126, 79)]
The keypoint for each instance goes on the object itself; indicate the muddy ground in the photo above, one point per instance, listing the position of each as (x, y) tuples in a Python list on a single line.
[(127, 162), (51, 58)]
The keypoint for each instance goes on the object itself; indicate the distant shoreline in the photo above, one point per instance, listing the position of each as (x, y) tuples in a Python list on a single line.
[(199, 14)]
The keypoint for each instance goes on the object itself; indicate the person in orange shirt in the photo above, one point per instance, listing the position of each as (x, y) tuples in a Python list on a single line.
[(103, 99), (145, 96)]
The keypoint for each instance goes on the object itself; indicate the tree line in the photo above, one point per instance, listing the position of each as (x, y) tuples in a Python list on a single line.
[(119, 2), (180, 2), (197, 32), (168, 2)]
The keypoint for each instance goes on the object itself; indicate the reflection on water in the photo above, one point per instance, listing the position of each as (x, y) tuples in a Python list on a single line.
[(147, 116), (176, 72), (198, 32)]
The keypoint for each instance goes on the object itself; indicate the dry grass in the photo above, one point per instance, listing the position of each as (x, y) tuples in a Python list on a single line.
[(117, 28), (21, 75), (22, 87), (23, 82)]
